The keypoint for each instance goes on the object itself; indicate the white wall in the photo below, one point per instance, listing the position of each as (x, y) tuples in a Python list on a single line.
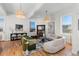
[(11, 20), (75, 34), (58, 29)]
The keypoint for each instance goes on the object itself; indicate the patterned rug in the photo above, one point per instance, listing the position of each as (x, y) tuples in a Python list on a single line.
[(37, 52)]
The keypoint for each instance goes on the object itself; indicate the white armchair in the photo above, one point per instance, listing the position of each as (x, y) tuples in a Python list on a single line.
[(54, 45)]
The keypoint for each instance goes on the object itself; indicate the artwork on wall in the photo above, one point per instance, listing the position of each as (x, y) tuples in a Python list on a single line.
[(51, 27), (32, 26), (19, 27)]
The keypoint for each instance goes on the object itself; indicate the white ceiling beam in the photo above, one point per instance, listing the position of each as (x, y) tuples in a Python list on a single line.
[(2, 11), (37, 7)]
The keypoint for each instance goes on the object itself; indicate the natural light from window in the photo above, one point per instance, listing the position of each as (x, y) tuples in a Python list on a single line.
[(67, 21)]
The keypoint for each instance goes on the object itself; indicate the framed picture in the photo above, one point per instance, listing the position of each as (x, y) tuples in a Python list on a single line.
[(51, 27), (19, 27), (32, 26)]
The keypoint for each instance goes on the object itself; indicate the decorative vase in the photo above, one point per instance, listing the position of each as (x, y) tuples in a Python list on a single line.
[(27, 52)]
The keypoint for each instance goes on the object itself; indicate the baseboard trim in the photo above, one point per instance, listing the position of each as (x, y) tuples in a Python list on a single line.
[(4, 40)]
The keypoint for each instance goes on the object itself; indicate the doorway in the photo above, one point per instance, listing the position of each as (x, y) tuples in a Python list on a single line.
[(67, 28)]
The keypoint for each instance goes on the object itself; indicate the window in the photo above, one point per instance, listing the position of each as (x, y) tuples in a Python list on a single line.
[(1, 26), (67, 21), (1, 23), (32, 26)]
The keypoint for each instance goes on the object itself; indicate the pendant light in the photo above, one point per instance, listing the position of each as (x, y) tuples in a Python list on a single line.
[(20, 13), (46, 18)]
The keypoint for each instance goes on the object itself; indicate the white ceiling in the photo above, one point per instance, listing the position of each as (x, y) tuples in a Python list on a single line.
[(11, 8), (36, 9), (53, 8)]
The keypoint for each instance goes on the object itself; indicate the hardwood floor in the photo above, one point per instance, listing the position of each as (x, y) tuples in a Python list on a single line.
[(14, 48), (11, 48)]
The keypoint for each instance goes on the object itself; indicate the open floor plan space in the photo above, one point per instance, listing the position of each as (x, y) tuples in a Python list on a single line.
[(39, 29)]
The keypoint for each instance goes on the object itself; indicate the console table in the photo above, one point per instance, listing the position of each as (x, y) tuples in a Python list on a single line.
[(16, 36)]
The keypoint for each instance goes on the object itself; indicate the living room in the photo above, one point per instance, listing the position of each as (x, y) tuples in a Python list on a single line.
[(38, 24)]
